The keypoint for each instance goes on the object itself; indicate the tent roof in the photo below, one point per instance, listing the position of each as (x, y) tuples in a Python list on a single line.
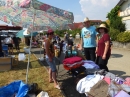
[(6, 27)]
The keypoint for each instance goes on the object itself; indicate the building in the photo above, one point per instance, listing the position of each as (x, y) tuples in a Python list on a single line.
[(80, 25), (124, 12)]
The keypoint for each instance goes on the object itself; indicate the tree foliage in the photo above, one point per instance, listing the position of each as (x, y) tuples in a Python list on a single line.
[(115, 20)]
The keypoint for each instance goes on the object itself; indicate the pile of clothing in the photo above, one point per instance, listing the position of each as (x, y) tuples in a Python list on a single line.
[(104, 84), (72, 63)]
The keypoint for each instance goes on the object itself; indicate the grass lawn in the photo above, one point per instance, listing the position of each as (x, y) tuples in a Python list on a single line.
[(37, 74)]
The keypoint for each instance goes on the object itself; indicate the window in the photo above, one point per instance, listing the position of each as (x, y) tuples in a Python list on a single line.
[(129, 5)]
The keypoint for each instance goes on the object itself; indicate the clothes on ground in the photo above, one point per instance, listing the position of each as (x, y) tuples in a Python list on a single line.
[(90, 65), (109, 85), (89, 37), (72, 60), (127, 81), (85, 84), (122, 94), (72, 63)]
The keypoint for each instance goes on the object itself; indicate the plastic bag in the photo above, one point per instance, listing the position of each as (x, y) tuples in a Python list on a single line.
[(15, 89), (21, 57), (43, 94), (7, 40)]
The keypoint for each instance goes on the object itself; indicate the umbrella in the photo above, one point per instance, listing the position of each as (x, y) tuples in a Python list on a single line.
[(33, 15), (20, 34), (24, 33)]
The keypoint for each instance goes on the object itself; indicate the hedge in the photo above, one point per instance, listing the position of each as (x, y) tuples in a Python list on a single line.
[(73, 32), (113, 34), (123, 37)]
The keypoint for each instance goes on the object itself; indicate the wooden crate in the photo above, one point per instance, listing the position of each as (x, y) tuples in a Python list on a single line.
[(5, 63)]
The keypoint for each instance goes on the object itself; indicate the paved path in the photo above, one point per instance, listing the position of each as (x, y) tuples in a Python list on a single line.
[(119, 64)]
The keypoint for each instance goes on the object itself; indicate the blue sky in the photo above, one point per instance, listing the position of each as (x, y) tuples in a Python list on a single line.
[(94, 9)]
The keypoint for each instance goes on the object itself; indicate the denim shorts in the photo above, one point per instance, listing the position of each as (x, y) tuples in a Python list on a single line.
[(51, 64)]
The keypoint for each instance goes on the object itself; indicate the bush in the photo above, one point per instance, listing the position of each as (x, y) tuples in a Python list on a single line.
[(60, 32), (113, 34), (123, 37), (74, 32)]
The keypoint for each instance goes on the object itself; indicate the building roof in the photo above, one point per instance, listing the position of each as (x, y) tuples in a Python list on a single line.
[(80, 24), (76, 25), (121, 2)]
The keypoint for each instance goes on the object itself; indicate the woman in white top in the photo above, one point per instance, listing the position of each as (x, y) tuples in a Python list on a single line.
[(9, 41)]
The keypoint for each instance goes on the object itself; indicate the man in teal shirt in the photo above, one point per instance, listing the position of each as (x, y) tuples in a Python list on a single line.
[(88, 40)]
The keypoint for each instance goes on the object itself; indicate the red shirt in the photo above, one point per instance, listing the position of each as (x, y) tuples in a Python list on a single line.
[(101, 45)]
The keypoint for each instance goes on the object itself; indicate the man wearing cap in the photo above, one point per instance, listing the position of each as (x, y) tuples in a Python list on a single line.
[(50, 58), (88, 40)]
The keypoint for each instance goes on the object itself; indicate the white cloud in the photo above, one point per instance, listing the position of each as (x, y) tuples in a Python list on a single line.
[(97, 9), (78, 18)]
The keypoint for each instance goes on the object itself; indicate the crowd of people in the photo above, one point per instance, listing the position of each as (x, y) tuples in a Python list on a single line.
[(94, 42), (11, 42)]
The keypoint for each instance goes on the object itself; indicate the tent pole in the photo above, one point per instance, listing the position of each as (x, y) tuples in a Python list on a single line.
[(30, 48)]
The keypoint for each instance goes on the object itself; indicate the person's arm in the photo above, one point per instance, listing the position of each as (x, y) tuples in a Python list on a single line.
[(97, 38), (47, 46), (107, 44)]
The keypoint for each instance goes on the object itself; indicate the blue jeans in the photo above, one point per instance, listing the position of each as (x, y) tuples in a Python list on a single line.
[(52, 64)]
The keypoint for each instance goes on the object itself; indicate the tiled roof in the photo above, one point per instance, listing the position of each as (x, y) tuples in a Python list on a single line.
[(76, 25), (80, 24)]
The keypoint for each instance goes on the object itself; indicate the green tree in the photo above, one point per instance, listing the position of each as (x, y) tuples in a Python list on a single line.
[(115, 20)]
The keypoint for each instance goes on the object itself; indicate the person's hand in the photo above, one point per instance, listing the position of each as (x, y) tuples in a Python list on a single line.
[(96, 51), (104, 57)]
